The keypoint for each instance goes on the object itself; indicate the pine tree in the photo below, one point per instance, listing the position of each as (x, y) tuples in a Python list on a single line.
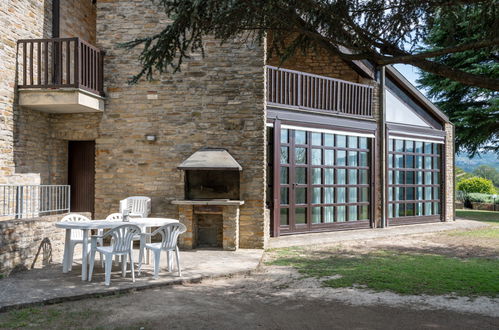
[(473, 110), (382, 32)]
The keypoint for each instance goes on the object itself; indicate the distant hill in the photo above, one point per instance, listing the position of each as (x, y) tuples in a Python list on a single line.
[(461, 174), (469, 164)]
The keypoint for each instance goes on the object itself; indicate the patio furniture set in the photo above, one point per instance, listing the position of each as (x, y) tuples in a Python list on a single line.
[(115, 237)]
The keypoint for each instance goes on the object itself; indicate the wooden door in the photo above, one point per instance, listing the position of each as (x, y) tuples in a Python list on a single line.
[(81, 175)]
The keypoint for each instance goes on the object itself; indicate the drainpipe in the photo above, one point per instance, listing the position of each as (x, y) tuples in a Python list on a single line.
[(56, 45), (383, 136), (55, 18)]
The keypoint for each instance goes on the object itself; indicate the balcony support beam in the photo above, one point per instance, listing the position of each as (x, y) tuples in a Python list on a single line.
[(62, 100)]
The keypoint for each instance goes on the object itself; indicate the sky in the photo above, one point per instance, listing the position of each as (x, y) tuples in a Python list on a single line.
[(410, 72)]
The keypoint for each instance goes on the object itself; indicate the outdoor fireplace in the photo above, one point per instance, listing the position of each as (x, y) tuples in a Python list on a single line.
[(210, 208), (211, 184)]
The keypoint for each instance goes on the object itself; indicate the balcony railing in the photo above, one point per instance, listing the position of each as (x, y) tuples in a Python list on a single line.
[(295, 89), (29, 201), (60, 63)]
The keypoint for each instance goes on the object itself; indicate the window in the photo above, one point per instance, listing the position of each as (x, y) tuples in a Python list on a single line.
[(324, 179), (413, 178), (339, 176)]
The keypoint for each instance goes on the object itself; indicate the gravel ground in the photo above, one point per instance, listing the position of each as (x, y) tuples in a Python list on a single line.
[(274, 298)]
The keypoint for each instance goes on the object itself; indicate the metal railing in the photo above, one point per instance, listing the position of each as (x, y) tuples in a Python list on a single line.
[(296, 89), (60, 62), (29, 201)]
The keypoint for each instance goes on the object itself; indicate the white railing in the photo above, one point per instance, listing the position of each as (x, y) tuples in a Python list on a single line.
[(296, 89), (29, 201)]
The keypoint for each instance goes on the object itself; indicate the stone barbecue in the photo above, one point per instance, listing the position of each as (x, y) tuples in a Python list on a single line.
[(210, 209)]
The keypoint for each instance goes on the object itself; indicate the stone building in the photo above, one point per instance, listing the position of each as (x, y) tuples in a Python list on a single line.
[(320, 144)]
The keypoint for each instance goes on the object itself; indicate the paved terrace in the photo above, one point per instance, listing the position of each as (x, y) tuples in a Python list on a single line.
[(50, 285)]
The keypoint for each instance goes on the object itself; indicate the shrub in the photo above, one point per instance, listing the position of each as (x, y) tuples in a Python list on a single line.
[(476, 185), (481, 198)]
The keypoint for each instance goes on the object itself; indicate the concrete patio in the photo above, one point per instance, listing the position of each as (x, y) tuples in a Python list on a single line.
[(50, 285)]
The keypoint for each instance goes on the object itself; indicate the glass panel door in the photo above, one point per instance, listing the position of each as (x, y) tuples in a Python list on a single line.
[(324, 180), (285, 179), (413, 179), (300, 187)]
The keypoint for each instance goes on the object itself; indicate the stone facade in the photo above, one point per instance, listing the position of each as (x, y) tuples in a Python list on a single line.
[(216, 101), (186, 216), (31, 243), (31, 150), (230, 228), (77, 19), (20, 20)]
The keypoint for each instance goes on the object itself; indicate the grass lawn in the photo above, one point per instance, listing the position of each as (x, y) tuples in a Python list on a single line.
[(53, 317), (403, 273), (489, 217), (425, 271), (491, 232), (485, 216)]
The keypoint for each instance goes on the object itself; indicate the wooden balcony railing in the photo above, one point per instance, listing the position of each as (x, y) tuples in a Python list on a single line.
[(300, 90), (60, 63)]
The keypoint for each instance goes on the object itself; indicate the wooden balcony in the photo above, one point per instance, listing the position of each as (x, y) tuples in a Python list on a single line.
[(60, 75), (299, 90)]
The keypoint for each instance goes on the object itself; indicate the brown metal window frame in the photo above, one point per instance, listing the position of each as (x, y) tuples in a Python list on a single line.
[(436, 154), (309, 226)]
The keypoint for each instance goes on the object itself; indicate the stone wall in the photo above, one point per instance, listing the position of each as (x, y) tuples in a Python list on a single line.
[(376, 169), (77, 19), (32, 143), (216, 101), (449, 207), (31, 243), (20, 20), (482, 206), (30, 152)]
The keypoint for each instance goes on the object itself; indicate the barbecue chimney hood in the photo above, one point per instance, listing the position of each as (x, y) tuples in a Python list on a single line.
[(214, 159)]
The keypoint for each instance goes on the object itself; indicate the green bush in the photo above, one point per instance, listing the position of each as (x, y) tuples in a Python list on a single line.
[(481, 198), (476, 185)]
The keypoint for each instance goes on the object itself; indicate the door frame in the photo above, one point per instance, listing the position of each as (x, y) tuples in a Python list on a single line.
[(69, 173)]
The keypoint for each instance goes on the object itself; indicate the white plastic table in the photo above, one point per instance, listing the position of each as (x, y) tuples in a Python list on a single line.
[(86, 226)]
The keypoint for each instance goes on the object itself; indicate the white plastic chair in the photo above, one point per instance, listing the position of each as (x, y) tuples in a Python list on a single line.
[(169, 237), (115, 217), (137, 206), (121, 245), (112, 217), (75, 238)]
